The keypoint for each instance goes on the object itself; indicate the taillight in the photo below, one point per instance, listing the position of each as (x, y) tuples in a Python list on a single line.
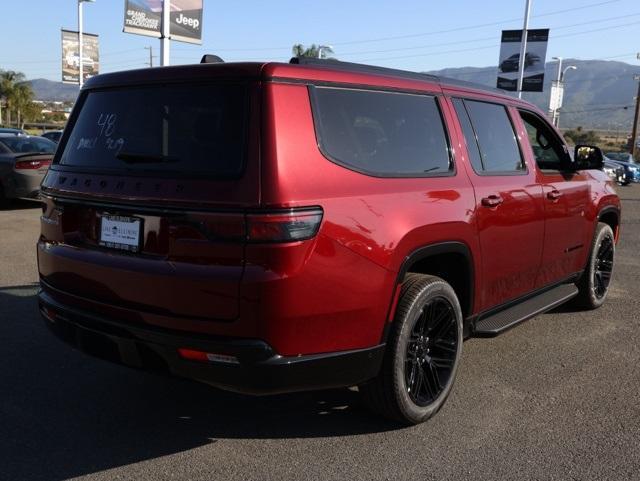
[(290, 226), (202, 356), (31, 164)]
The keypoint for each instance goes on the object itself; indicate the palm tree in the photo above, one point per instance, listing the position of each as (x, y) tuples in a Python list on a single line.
[(9, 90), (23, 103), (299, 50)]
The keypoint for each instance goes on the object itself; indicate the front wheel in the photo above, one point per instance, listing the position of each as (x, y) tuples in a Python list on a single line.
[(423, 352), (595, 281)]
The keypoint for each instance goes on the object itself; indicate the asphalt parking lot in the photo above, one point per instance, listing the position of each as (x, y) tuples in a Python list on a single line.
[(555, 398)]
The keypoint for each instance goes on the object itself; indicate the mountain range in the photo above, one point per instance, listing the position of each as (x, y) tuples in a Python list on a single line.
[(595, 97), (595, 93)]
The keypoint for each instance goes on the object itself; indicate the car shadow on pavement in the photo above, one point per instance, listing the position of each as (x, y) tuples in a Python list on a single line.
[(64, 414), (20, 204)]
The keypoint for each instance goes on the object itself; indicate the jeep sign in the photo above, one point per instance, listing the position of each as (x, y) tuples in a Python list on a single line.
[(144, 17)]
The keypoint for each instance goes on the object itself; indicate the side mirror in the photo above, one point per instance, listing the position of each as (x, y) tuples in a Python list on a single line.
[(587, 157)]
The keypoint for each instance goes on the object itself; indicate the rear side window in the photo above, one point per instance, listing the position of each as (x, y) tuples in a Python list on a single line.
[(183, 130), (495, 137), (381, 133), (469, 135)]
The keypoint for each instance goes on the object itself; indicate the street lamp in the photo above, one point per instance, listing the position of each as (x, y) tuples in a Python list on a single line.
[(321, 48), (570, 67), (557, 91), (80, 42)]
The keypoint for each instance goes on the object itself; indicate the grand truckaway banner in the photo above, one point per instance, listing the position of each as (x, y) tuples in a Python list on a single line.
[(144, 17), (534, 60), (71, 56)]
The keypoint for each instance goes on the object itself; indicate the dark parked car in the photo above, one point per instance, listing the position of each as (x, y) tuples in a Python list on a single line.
[(270, 227), (24, 160), (511, 64), (6, 130), (53, 135)]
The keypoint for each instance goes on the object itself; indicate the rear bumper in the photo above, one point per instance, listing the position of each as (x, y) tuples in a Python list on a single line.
[(259, 369)]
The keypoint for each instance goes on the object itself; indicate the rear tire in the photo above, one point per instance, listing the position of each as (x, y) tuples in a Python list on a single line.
[(596, 279), (422, 355)]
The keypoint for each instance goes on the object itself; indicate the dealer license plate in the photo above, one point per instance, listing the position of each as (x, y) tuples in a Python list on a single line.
[(120, 232)]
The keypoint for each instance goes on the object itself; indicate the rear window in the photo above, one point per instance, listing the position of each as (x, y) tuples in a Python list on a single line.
[(381, 133), (176, 129), (28, 145)]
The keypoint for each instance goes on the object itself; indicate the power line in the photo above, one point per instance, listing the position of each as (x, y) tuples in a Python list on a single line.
[(493, 37), (423, 34), (584, 32), (603, 109), (491, 24)]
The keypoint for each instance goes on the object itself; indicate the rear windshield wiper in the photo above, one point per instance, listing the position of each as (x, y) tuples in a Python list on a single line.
[(133, 158)]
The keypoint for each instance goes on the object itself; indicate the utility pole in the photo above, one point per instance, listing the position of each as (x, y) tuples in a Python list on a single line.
[(150, 48), (523, 47), (165, 37)]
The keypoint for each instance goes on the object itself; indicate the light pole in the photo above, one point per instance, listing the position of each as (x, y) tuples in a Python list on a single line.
[(80, 42), (165, 37), (561, 83), (523, 48), (557, 91), (321, 48)]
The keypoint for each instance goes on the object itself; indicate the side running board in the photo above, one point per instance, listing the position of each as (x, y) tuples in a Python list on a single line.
[(499, 322)]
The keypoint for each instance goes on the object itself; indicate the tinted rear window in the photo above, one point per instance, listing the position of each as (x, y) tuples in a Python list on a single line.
[(181, 129), (496, 137), (381, 133)]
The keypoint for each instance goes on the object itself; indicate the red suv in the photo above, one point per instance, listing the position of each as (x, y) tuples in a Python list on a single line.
[(270, 227)]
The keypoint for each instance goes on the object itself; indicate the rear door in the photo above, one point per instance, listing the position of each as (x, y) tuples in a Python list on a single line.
[(509, 208), (566, 198), (146, 199)]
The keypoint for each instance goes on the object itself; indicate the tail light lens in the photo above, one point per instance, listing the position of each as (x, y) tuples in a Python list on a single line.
[(31, 164), (202, 356), (290, 226)]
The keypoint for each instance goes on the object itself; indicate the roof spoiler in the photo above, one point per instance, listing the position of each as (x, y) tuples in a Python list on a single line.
[(209, 58)]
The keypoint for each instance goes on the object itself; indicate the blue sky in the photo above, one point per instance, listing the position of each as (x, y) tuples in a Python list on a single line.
[(414, 35)]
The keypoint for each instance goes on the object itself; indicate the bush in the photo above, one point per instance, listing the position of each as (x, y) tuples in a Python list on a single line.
[(579, 136)]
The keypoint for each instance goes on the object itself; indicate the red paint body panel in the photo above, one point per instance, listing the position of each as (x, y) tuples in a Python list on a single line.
[(333, 292)]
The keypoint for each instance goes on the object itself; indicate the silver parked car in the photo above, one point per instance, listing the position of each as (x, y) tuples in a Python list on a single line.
[(24, 160)]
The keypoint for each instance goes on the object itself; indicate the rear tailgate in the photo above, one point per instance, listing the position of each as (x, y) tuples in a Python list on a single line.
[(174, 167)]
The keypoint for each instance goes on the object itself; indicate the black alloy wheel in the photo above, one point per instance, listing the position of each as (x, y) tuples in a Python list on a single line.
[(423, 350), (595, 281), (431, 352), (603, 268)]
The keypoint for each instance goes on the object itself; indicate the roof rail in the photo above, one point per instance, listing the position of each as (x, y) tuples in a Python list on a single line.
[(364, 68), (361, 67), (209, 58)]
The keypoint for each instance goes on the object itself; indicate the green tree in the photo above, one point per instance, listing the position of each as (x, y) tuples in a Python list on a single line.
[(299, 50), (8, 81), (18, 97), (23, 105)]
